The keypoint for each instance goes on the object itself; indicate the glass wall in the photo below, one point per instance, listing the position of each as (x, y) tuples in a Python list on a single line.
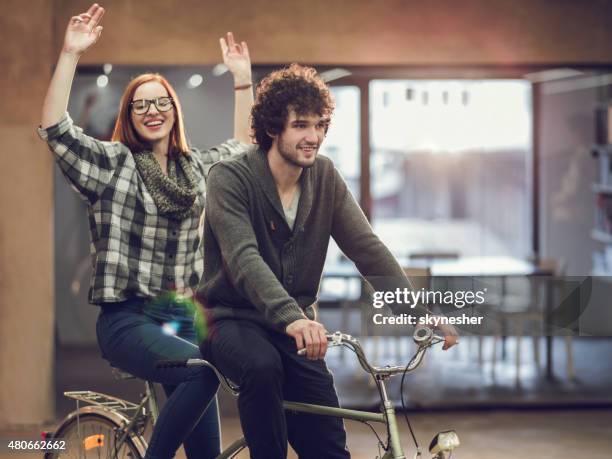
[(450, 166)]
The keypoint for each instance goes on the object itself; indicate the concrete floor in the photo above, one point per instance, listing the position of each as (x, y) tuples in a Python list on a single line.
[(495, 415), (497, 435), (542, 434)]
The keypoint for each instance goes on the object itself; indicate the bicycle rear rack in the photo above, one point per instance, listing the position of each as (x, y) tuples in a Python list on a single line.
[(107, 402)]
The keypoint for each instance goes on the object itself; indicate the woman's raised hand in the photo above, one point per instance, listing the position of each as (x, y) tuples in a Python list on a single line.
[(236, 58), (83, 30)]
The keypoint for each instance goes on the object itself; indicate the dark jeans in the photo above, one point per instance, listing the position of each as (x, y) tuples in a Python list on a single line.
[(266, 366), (132, 337)]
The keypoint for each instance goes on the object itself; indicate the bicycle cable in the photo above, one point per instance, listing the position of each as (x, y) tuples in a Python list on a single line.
[(236, 453), (365, 365), (368, 368), (380, 442), (404, 410)]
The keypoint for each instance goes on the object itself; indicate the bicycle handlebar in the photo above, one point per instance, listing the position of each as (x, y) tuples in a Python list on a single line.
[(424, 337)]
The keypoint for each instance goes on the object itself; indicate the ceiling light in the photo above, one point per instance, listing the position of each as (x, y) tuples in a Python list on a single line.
[(334, 74), (195, 80), (102, 81), (219, 69)]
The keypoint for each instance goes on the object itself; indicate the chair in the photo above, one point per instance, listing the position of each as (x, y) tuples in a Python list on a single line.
[(521, 304)]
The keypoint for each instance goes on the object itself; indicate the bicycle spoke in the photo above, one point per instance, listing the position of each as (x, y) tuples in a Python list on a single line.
[(95, 438)]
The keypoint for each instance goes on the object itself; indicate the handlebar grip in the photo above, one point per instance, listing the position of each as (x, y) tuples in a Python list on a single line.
[(165, 364), (331, 339)]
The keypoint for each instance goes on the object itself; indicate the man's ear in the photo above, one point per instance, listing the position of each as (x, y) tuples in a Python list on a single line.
[(272, 136)]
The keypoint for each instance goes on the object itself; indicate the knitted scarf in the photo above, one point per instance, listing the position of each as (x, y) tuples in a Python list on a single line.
[(174, 194)]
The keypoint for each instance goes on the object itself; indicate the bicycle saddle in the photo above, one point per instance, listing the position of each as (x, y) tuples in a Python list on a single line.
[(121, 375)]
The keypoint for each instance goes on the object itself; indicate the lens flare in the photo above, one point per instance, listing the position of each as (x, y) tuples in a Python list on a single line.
[(170, 328), (191, 308)]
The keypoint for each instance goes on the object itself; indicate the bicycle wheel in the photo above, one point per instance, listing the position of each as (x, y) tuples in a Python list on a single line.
[(93, 436)]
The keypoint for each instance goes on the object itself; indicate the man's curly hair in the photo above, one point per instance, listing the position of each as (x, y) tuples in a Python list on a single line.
[(297, 88)]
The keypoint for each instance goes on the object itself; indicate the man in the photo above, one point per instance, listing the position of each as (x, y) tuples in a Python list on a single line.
[(269, 217)]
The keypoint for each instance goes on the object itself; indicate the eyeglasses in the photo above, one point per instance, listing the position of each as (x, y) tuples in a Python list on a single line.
[(141, 106)]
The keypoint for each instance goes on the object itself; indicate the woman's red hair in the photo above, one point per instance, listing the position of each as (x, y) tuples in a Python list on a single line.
[(124, 131)]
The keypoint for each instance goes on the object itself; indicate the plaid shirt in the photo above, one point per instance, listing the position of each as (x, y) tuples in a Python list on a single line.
[(135, 251)]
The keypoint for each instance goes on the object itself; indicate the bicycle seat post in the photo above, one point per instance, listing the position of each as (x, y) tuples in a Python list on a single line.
[(152, 401)]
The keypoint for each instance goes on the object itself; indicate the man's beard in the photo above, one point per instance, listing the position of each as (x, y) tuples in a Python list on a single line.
[(290, 154)]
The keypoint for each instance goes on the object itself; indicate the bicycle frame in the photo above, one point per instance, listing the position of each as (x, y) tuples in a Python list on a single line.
[(133, 416), (386, 416), (129, 422)]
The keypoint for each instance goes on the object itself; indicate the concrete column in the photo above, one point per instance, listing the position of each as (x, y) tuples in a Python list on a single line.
[(26, 193)]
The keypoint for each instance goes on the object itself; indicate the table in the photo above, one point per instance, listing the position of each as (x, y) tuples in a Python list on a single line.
[(488, 266), (462, 266)]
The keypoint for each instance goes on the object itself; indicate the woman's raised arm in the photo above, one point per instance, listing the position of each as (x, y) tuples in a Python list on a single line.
[(82, 32), (236, 58)]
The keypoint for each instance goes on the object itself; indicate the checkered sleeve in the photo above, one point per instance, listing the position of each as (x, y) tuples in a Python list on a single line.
[(227, 149), (87, 163)]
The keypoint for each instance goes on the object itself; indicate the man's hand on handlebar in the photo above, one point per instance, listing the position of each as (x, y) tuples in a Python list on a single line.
[(451, 337), (309, 335)]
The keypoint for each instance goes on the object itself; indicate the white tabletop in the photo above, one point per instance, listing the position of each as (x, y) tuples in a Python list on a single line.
[(463, 266), (483, 266)]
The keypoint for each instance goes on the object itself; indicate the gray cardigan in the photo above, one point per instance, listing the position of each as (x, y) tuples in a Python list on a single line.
[(256, 267)]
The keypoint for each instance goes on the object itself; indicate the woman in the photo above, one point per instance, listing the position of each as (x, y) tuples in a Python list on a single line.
[(145, 192)]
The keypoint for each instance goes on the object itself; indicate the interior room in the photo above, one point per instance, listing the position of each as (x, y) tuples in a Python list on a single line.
[(476, 138)]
